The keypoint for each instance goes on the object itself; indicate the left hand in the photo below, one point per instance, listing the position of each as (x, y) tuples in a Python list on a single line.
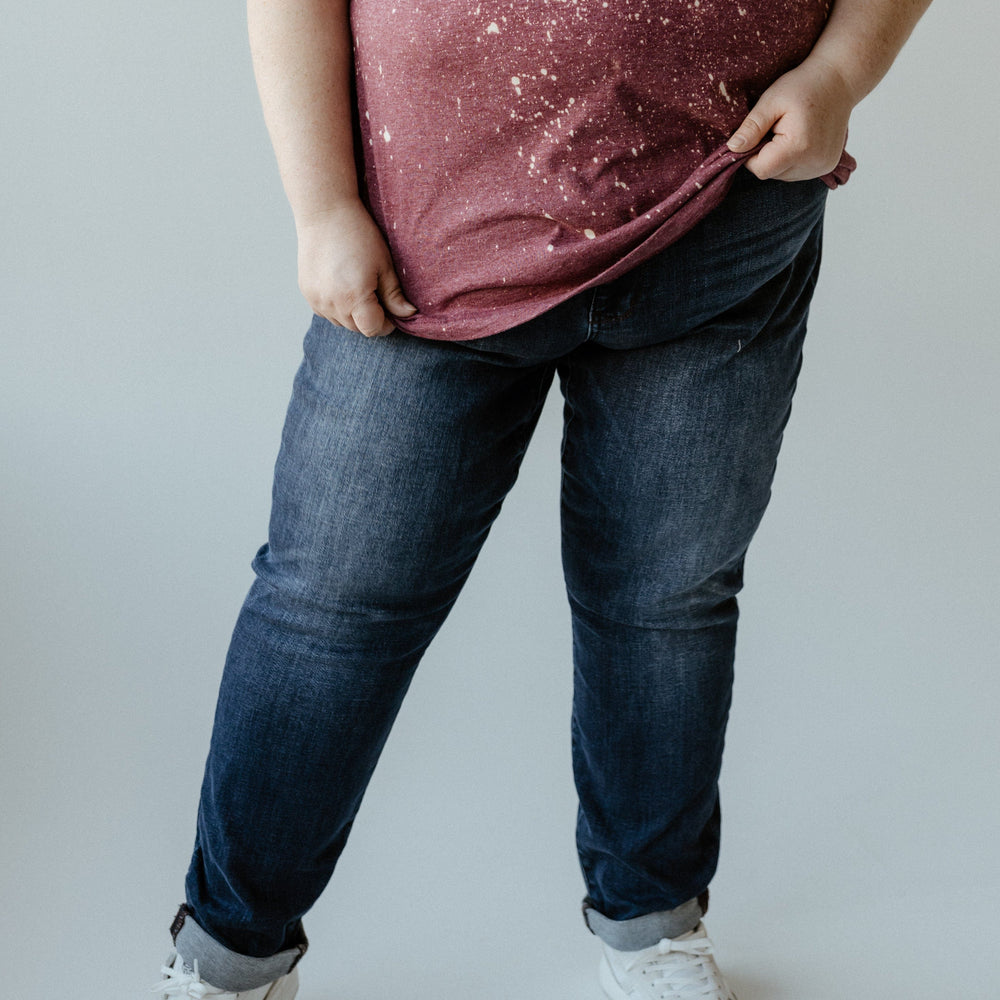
[(807, 110)]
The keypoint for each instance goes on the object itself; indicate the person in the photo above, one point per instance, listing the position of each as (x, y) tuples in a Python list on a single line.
[(626, 194)]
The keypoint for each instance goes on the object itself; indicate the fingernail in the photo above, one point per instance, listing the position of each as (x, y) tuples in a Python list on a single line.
[(738, 141)]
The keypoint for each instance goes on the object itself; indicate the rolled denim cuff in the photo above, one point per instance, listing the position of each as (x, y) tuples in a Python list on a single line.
[(643, 931), (225, 969)]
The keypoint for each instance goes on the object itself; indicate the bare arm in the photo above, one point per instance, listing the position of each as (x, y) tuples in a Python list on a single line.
[(808, 108), (303, 62)]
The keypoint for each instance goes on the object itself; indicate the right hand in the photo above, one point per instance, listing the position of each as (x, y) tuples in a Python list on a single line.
[(346, 272), (806, 112)]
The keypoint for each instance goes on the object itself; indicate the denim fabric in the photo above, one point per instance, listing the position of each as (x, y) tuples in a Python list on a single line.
[(395, 458)]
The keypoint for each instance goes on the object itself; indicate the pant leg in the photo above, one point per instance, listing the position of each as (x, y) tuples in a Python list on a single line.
[(669, 453), (395, 457)]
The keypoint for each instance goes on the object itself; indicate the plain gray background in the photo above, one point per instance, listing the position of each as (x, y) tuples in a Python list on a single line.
[(151, 329)]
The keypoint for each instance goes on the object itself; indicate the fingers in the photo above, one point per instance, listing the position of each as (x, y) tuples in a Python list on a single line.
[(752, 132), (369, 317), (763, 116), (392, 295), (368, 313), (754, 127), (372, 313), (774, 159), (796, 156), (364, 315), (793, 152)]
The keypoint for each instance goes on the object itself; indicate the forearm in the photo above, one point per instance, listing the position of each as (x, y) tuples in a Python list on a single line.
[(863, 37), (806, 110), (302, 58)]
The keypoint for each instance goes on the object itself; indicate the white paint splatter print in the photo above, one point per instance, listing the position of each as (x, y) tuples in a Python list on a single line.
[(543, 140)]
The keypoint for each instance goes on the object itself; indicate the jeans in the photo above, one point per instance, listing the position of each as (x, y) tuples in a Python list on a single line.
[(395, 458)]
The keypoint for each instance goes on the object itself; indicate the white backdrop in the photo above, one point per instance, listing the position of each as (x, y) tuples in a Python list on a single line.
[(150, 330)]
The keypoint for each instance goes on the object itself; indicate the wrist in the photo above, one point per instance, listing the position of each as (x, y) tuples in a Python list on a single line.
[(863, 37), (314, 216), (851, 78)]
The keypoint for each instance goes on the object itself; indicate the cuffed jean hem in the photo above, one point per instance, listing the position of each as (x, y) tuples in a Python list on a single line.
[(225, 969), (646, 930)]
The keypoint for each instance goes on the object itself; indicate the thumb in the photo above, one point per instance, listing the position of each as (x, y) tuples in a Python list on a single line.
[(392, 295), (755, 126)]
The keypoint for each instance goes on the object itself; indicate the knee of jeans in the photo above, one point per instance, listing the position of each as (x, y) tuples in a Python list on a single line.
[(669, 592), (339, 596)]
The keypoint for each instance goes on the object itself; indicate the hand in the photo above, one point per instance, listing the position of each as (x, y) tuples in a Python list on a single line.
[(346, 272), (807, 110)]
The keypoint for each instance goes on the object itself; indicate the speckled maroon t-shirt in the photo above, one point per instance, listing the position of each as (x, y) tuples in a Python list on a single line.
[(516, 153)]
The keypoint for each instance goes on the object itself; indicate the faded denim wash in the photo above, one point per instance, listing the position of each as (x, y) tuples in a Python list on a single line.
[(395, 458)]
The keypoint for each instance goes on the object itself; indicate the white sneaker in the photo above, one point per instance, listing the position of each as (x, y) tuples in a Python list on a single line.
[(680, 968), (180, 980)]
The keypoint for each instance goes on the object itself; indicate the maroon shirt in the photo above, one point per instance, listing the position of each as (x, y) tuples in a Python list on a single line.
[(517, 153)]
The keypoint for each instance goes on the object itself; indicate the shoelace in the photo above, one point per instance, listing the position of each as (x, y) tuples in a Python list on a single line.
[(182, 982), (695, 979)]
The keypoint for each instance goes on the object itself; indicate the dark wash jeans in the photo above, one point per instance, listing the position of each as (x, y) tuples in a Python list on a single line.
[(395, 458)]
